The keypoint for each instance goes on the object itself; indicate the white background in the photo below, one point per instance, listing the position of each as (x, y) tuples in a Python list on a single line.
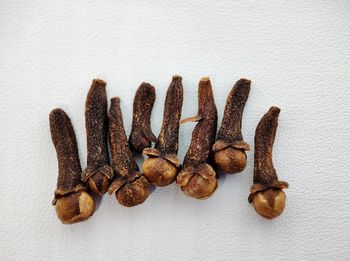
[(297, 55)]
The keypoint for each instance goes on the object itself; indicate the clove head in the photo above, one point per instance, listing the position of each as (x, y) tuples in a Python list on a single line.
[(98, 184), (98, 180), (132, 193), (230, 160), (269, 203), (199, 182), (159, 171), (75, 207)]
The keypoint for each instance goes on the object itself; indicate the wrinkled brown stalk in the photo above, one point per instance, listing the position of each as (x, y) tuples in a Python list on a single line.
[(72, 201), (162, 164), (141, 135), (130, 186), (197, 178), (98, 174), (229, 148), (266, 193)]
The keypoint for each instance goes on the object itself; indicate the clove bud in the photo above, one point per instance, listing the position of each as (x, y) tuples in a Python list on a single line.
[(197, 178), (266, 193), (72, 201), (98, 174), (162, 164), (229, 148), (141, 134), (130, 186)]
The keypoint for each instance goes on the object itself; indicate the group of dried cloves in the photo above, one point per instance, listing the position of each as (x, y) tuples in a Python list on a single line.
[(196, 177)]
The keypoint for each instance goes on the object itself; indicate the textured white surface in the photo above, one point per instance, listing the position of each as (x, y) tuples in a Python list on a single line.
[(298, 57)]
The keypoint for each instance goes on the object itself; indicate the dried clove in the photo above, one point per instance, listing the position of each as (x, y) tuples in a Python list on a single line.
[(197, 178), (162, 164), (266, 193), (141, 135), (229, 148), (72, 201), (98, 174), (130, 186)]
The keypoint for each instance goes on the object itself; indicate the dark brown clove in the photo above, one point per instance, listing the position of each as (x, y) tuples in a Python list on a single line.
[(98, 174), (162, 164), (141, 135), (130, 186), (72, 201), (266, 193), (229, 148), (197, 178)]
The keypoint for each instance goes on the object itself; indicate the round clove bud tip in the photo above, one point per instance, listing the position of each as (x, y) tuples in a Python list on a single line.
[(269, 203), (134, 193), (159, 171), (98, 179), (201, 183), (230, 160), (75, 207), (98, 184)]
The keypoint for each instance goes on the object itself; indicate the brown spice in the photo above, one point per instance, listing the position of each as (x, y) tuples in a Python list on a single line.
[(72, 201), (266, 193), (98, 174), (163, 164), (141, 135), (130, 186), (197, 178), (229, 148)]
